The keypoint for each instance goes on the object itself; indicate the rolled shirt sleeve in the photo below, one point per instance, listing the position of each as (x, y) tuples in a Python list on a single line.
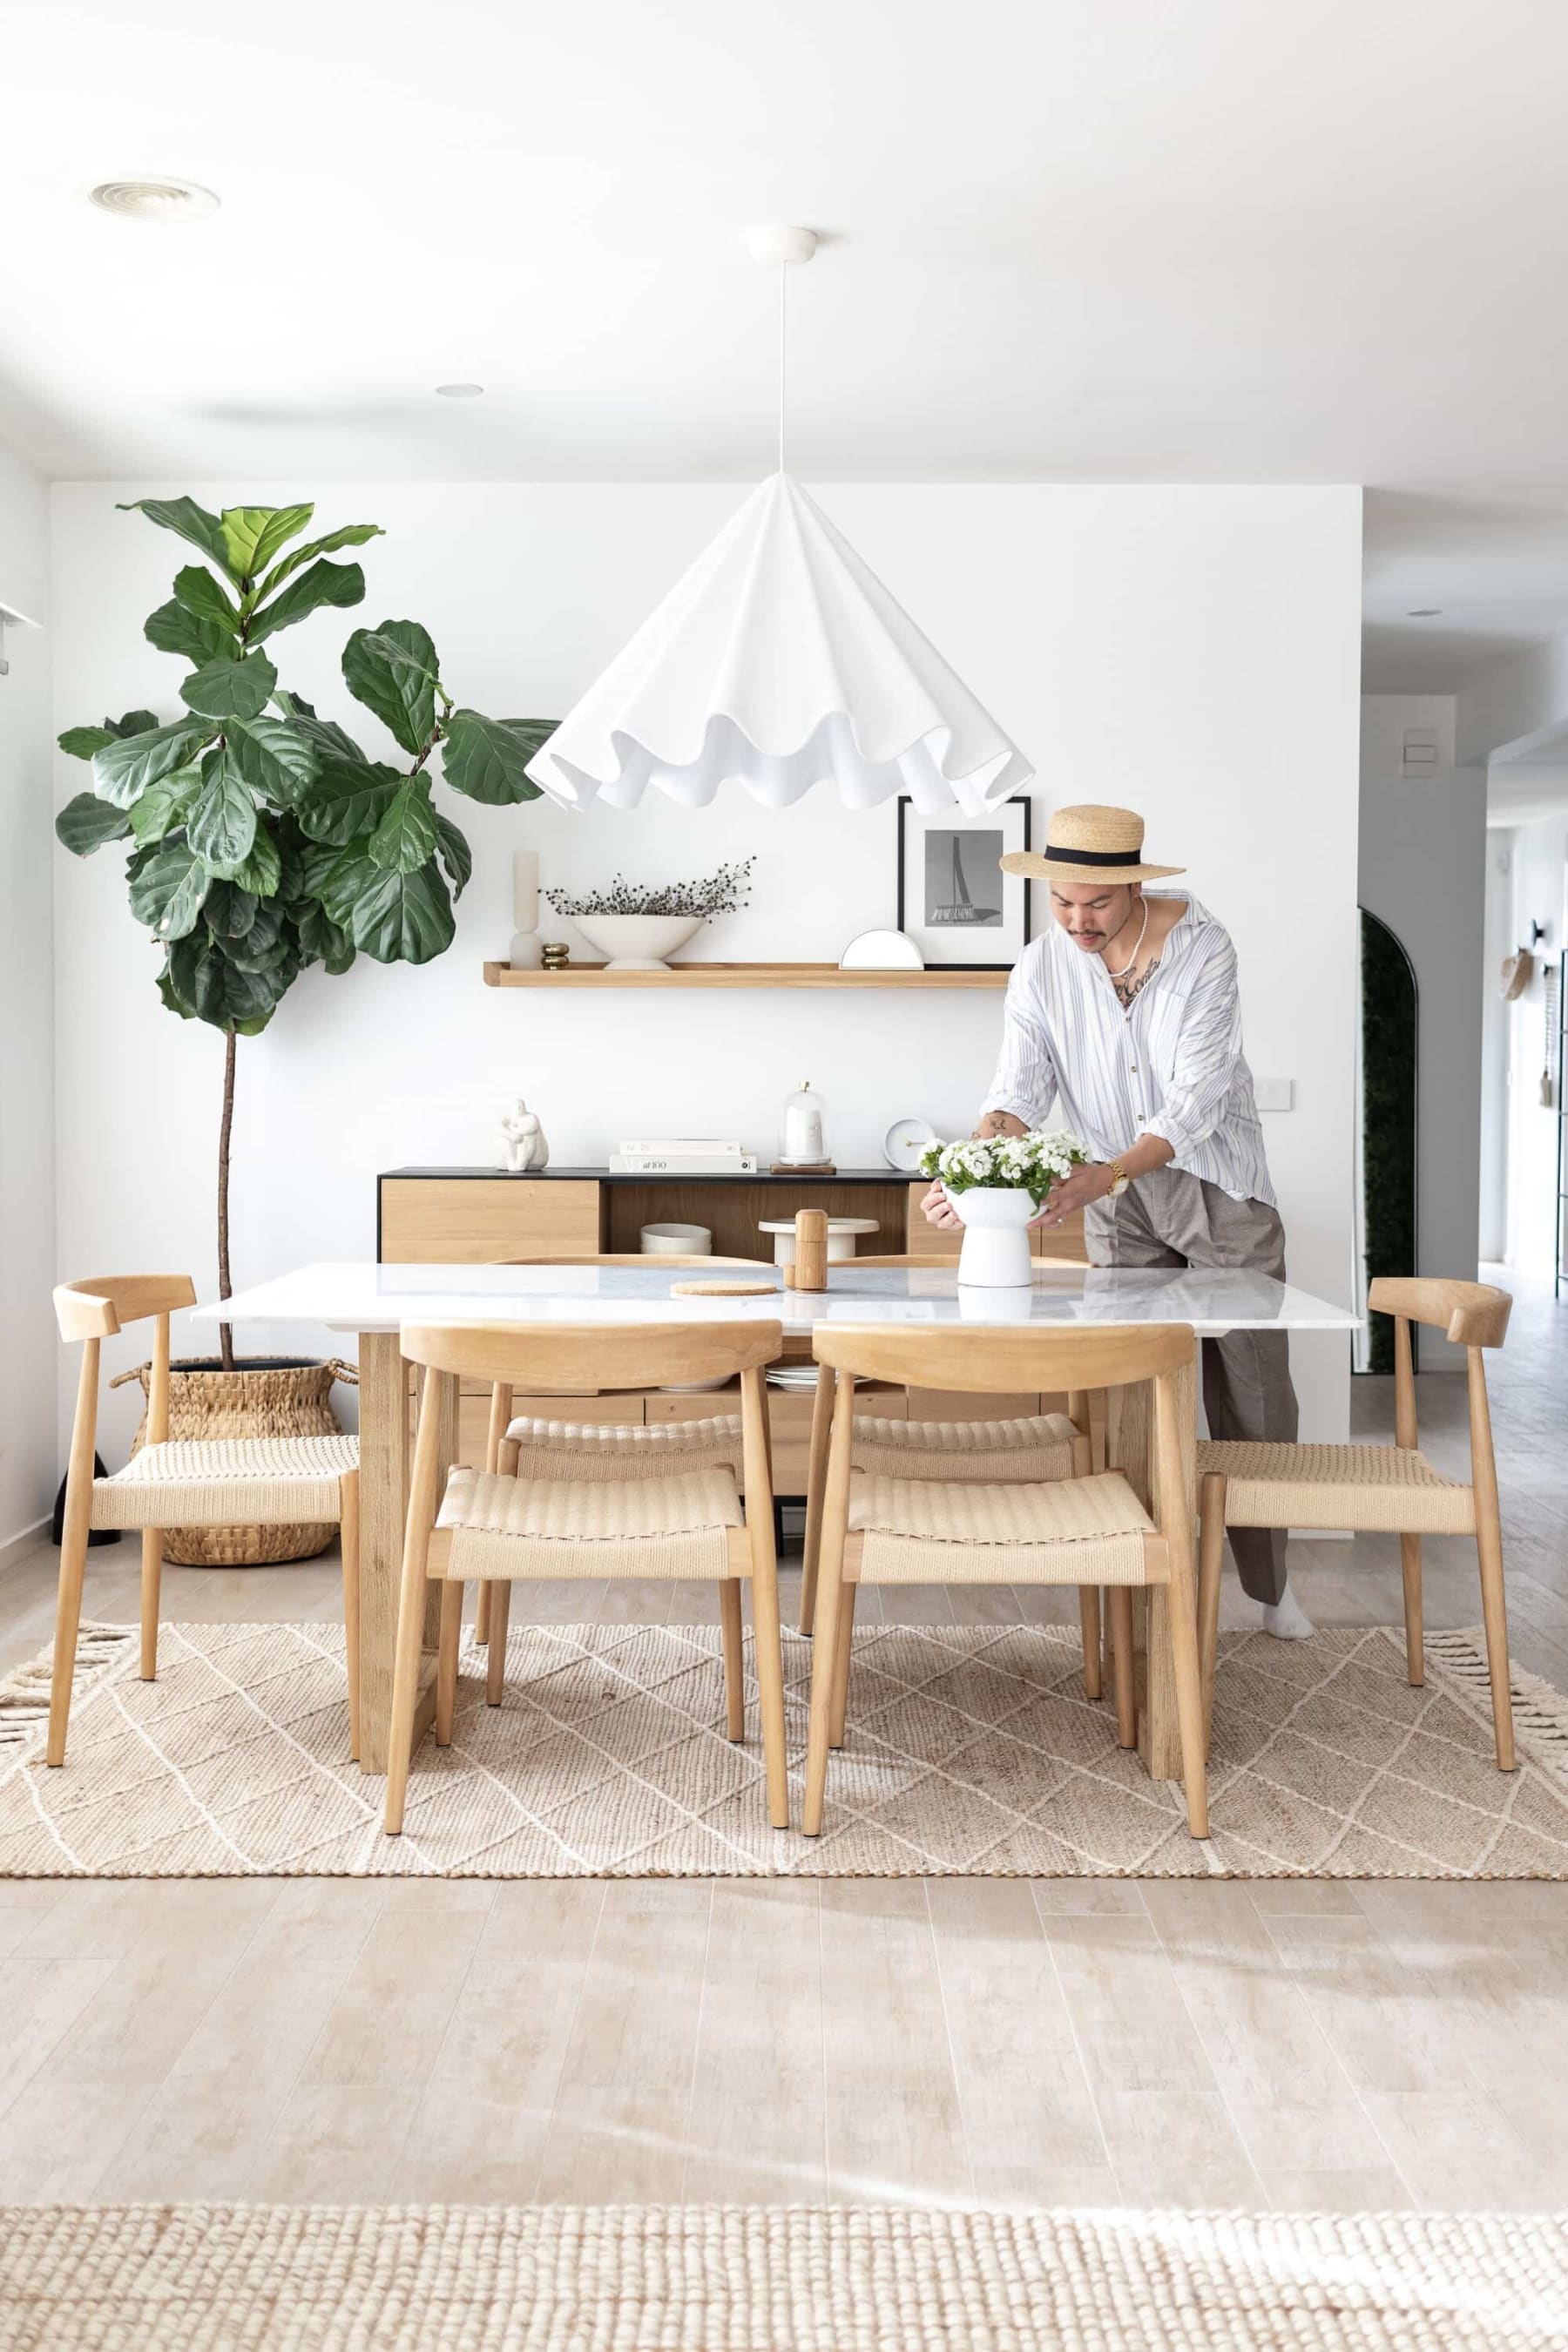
[(1026, 1084), (1207, 1059)]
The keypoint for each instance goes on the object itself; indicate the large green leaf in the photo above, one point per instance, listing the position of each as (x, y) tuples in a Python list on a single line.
[(219, 991), (81, 742), (319, 861), (221, 824), (229, 912), (273, 756), (348, 534), (122, 770), (85, 822), (452, 848), (323, 734), (253, 535), (162, 807), (167, 893), (399, 918), (134, 722), (347, 799), (173, 628), (167, 990), (200, 593), (325, 584), (406, 837), (262, 869), (485, 759), (192, 523), (322, 939), (230, 689), (262, 947), (393, 670)]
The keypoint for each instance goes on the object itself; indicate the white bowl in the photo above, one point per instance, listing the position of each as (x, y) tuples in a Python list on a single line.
[(841, 1233), (676, 1241), (636, 942)]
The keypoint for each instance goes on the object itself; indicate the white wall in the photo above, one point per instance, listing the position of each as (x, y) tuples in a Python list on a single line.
[(1497, 1024), (28, 1473), (1539, 874), (1423, 873), (1191, 651)]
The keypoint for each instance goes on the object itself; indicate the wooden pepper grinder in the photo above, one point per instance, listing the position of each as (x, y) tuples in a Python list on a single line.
[(811, 1249)]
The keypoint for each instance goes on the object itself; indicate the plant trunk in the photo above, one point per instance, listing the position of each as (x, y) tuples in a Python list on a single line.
[(225, 1287)]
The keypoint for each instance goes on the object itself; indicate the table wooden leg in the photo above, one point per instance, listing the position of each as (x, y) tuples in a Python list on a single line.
[(1129, 1434), (384, 1457)]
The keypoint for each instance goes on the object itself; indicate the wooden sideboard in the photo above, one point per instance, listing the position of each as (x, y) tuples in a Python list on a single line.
[(479, 1216)]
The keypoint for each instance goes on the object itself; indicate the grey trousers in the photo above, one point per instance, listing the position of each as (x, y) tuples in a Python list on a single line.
[(1170, 1218)]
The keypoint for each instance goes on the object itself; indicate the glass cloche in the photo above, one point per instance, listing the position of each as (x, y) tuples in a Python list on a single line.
[(803, 1134)]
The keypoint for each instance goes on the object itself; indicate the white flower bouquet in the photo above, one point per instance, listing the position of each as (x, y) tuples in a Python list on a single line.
[(1031, 1163)]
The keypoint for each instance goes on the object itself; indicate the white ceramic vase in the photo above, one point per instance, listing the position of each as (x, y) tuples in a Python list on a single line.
[(996, 1252), (636, 942)]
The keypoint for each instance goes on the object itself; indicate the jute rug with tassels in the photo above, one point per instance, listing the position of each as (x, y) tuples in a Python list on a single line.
[(972, 1750), (732, 2279)]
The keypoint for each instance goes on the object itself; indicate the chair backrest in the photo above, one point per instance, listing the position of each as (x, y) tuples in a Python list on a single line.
[(1077, 1356), (550, 1359), (100, 1307), (652, 1258), (1473, 1314)]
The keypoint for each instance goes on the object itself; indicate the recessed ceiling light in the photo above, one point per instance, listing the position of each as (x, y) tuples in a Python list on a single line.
[(170, 203), (1425, 613), (459, 391)]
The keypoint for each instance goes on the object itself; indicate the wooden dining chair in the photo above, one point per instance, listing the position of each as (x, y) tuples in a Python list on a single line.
[(1086, 1528), (1383, 1490), (212, 1483), (530, 1446), (1020, 1450), (498, 1527)]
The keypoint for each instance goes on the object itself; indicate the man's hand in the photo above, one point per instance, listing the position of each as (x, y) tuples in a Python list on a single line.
[(939, 1210), (1073, 1193)]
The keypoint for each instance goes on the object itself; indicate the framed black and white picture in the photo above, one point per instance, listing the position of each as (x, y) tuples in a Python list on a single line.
[(954, 901)]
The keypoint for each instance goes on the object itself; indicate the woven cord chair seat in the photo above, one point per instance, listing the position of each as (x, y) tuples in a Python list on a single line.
[(607, 1449), (226, 1482), (1026, 1452), (1385, 1489), (1069, 1531), (674, 1526)]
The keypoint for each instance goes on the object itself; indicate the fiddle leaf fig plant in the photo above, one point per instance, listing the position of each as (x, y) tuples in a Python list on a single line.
[(262, 839)]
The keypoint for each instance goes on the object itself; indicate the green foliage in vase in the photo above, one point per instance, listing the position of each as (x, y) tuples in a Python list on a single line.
[(261, 838)]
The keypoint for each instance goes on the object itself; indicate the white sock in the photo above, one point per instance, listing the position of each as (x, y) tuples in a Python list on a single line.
[(1286, 1619)]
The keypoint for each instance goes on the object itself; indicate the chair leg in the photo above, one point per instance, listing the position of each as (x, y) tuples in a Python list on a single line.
[(500, 1614), (1494, 1612), (768, 1637), (734, 1655), (151, 1582), (841, 1665), (448, 1647), (482, 1614), (1414, 1638), (404, 1685), (815, 1480), (1120, 1599), (1211, 1562), (1183, 1606), (67, 1618), (1089, 1619), (348, 1544)]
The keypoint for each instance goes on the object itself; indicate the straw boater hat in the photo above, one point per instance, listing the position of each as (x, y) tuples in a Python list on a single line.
[(1090, 843)]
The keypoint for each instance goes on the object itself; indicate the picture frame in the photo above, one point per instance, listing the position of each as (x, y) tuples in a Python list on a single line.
[(960, 909)]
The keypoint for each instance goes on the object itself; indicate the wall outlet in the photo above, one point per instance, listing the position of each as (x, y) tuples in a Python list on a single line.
[(1274, 1094)]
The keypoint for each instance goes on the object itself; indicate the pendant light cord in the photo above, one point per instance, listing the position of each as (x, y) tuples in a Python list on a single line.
[(783, 326)]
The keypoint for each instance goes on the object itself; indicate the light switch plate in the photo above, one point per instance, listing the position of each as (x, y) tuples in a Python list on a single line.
[(1275, 1094)]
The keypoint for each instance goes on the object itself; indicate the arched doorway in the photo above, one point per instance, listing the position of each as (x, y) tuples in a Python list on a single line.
[(1385, 1127)]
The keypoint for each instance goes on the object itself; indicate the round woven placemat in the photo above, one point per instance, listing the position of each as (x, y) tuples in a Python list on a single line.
[(723, 1289)]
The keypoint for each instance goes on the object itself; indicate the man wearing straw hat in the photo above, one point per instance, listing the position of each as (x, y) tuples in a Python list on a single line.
[(1127, 1012)]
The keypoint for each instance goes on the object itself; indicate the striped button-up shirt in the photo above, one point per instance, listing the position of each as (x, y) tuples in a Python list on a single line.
[(1172, 1065)]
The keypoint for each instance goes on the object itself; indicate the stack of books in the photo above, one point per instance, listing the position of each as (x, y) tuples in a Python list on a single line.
[(699, 1158)]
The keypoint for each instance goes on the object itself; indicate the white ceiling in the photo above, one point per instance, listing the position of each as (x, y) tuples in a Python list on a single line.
[(1175, 240)]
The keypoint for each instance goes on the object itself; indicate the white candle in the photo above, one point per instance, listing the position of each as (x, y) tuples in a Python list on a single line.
[(525, 889), (802, 1135)]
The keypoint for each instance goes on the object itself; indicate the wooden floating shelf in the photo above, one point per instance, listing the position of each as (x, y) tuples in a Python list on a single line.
[(738, 975)]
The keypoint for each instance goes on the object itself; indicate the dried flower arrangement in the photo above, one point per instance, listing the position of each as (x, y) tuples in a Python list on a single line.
[(725, 893)]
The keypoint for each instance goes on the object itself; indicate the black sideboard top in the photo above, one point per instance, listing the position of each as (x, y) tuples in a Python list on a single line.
[(669, 1176)]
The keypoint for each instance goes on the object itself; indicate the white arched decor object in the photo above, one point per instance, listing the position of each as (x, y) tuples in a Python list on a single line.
[(781, 661)]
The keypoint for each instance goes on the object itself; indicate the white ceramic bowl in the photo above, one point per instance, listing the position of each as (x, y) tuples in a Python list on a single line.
[(636, 942), (841, 1233), (676, 1241)]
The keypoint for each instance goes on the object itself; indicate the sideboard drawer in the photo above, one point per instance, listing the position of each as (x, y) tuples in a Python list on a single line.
[(484, 1220)]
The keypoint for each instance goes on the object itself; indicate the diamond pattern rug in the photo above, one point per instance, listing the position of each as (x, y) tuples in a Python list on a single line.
[(971, 1751)]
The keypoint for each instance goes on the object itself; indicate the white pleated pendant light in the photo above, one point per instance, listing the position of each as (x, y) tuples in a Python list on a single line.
[(781, 661)]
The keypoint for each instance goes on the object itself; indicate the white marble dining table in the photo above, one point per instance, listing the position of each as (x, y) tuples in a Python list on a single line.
[(376, 1302)]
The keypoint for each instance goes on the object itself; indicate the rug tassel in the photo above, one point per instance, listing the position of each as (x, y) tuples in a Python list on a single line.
[(24, 1694)]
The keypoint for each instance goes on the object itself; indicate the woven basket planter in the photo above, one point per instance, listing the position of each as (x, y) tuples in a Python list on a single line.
[(266, 1396)]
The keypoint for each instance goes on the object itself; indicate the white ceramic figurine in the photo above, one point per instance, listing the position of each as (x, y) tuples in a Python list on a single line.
[(524, 1138)]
